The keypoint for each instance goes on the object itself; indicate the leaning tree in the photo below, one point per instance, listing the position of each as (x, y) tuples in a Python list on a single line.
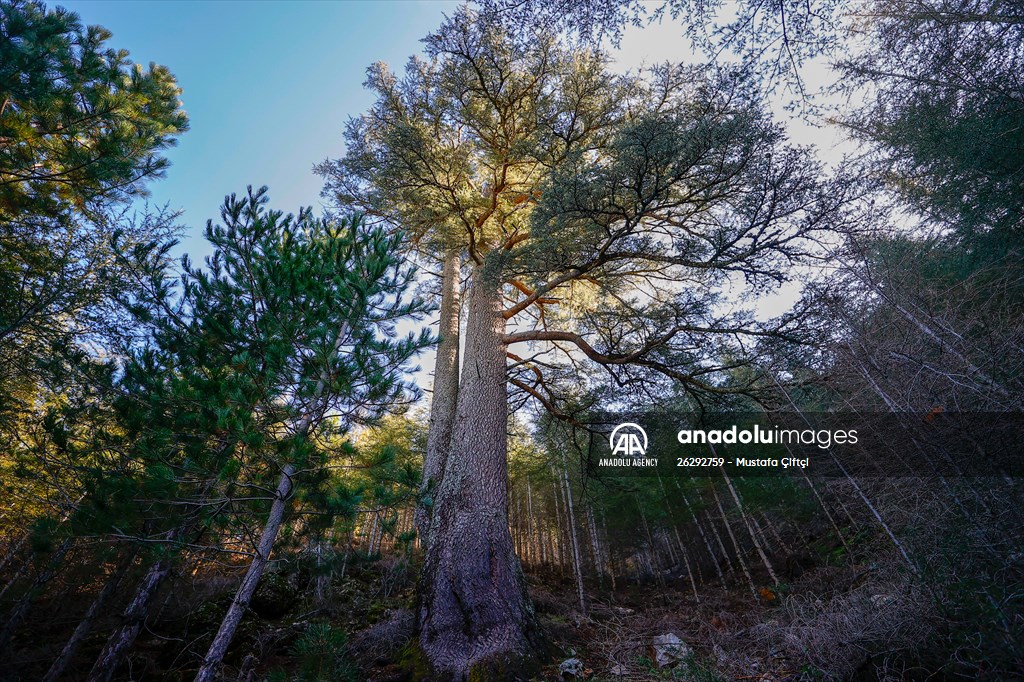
[(601, 217)]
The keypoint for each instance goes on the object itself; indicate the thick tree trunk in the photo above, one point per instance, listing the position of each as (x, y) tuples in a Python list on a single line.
[(474, 614), (445, 397), (240, 604)]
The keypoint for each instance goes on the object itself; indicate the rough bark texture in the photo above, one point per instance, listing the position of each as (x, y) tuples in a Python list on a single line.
[(131, 622), (474, 617), (445, 397), (243, 596), (122, 639)]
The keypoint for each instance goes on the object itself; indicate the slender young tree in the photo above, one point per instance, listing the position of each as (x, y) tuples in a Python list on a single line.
[(342, 287), (287, 336)]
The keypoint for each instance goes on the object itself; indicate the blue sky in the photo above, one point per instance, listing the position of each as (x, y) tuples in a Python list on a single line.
[(267, 85)]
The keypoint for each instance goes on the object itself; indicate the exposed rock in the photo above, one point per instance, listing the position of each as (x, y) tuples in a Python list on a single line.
[(571, 669), (881, 600), (668, 650)]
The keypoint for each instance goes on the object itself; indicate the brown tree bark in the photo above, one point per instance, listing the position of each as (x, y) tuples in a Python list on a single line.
[(474, 615)]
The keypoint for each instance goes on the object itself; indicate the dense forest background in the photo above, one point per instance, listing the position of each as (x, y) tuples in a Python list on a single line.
[(230, 470)]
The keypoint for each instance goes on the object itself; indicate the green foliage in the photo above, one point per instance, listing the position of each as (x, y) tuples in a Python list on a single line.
[(81, 132), (281, 343), (774, 40), (80, 124), (321, 654), (947, 112), (294, 318)]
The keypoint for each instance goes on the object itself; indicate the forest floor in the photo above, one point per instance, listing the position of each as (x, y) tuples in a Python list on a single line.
[(363, 631)]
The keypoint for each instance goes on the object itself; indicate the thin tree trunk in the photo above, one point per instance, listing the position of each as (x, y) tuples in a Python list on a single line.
[(686, 562), (370, 550), (573, 537), (12, 550), (131, 621), (735, 544), (17, 575), (754, 535), (558, 523), (679, 541), (517, 535), (243, 596), (531, 525), (89, 619), (323, 577), (652, 562), (595, 545), (121, 640), (821, 502), (860, 492), (282, 495), (704, 537), (925, 329), (445, 395), (721, 545), (17, 614), (348, 550), (774, 532), (607, 543)]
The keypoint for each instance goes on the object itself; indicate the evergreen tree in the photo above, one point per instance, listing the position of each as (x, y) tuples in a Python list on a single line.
[(287, 337), (581, 201), (82, 130), (945, 112)]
